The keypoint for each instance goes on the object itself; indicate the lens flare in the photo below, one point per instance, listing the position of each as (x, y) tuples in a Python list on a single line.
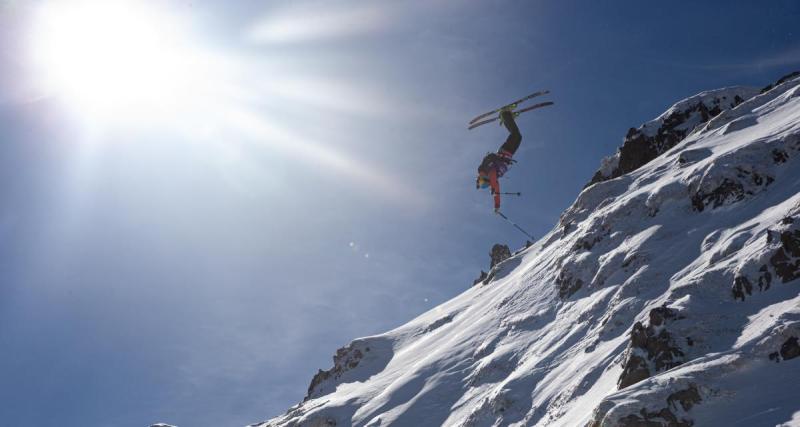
[(114, 59)]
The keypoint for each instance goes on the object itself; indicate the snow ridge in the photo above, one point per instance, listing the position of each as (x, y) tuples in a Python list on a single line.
[(667, 295), (659, 135)]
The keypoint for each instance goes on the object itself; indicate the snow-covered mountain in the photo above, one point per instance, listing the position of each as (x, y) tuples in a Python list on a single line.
[(667, 295)]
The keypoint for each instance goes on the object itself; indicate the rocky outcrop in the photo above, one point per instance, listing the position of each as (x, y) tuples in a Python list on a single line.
[(345, 359), (652, 139), (652, 349), (567, 284), (782, 252), (789, 350), (677, 403), (786, 260), (744, 182), (783, 79), (480, 278), (499, 254), (741, 173)]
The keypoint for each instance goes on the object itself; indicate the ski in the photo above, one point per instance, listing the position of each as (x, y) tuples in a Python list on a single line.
[(512, 105), (516, 113)]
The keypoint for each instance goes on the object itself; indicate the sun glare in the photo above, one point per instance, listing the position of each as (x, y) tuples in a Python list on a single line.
[(136, 66), (113, 59)]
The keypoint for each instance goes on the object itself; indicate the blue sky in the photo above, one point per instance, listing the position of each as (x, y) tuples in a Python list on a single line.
[(308, 179)]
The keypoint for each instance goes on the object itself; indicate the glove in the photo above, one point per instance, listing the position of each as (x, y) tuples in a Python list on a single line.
[(497, 210)]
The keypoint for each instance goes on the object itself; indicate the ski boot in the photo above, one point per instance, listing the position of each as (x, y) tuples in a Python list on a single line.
[(507, 112)]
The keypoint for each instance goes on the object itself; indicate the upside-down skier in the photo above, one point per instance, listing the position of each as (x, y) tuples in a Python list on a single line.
[(495, 165)]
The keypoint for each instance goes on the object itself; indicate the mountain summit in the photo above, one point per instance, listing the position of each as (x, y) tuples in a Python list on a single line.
[(666, 295)]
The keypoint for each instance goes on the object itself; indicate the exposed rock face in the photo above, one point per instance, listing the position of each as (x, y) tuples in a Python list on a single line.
[(674, 414), (651, 350), (480, 278), (666, 417), (731, 190), (782, 253), (567, 284), (789, 350), (783, 79), (345, 359), (499, 254), (650, 140), (786, 260)]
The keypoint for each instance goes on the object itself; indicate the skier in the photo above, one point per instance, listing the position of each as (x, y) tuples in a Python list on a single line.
[(495, 165)]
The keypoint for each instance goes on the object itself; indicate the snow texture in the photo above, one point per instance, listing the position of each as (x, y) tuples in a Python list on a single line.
[(655, 137), (667, 295)]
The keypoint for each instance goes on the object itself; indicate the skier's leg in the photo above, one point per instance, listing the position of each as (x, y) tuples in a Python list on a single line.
[(514, 137)]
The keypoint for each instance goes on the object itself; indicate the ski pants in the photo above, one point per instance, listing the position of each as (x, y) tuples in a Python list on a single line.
[(514, 137)]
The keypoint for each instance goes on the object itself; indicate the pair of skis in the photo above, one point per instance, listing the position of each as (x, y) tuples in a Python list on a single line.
[(478, 121)]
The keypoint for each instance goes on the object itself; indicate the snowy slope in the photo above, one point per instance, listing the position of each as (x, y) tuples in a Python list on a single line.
[(668, 295)]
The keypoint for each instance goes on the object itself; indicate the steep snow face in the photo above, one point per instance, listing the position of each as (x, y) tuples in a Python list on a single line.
[(668, 295)]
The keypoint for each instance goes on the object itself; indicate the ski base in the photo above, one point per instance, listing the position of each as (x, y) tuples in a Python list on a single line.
[(516, 113), (512, 105)]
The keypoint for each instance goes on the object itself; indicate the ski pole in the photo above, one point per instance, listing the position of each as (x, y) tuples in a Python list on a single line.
[(515, 225), (508, 193)]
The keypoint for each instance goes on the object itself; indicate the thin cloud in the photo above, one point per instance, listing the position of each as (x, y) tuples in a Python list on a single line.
[(303, 23)]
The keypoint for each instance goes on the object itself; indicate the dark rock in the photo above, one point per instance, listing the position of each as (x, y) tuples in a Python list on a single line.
[(790, 349), (786, 261), (649, 419), (481, 278), (659, 315), (636, 369), (741, 285), (728, 191), (345, 359), (567, 285), (587, 243), (499, 254), (652, 349), (764, 279), (566, 228), (639, 148), (687, 398), (779, 156), (665, 417), (731, 190), (783, 79)]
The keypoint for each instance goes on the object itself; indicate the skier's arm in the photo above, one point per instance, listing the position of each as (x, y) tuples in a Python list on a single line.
[(495, 188)]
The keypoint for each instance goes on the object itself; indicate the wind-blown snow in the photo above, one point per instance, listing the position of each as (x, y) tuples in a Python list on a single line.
[(668, 294)]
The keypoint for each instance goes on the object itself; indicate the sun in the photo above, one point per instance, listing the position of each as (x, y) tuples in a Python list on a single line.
[(113, 58)]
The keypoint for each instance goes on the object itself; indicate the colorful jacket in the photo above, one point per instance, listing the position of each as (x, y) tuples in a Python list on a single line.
[(494, 166)]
